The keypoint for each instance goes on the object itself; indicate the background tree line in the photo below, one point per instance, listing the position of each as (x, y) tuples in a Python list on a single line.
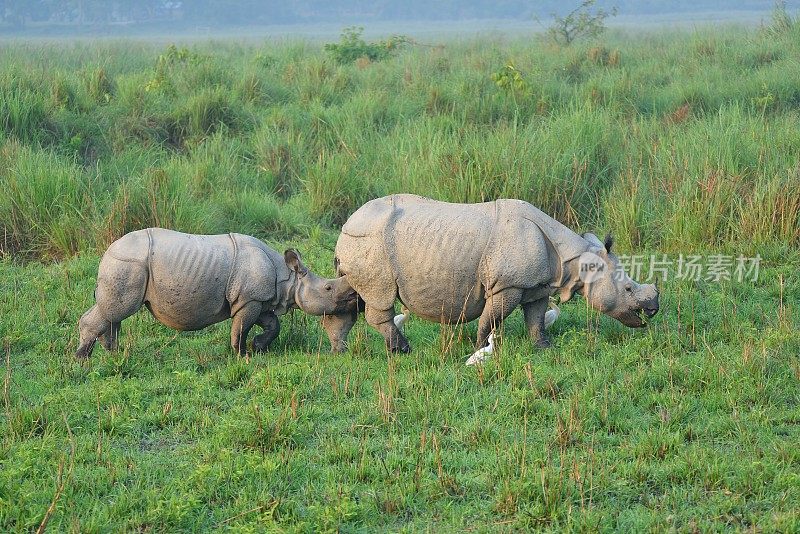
[(19, 13)]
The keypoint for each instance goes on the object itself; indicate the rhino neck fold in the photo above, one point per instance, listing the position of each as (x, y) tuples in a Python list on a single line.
[(566, 244), (285, 293), (566, 248), (569, 282)]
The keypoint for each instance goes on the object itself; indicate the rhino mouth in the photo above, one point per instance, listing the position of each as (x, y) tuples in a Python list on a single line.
[(348, 303), (637, 318)]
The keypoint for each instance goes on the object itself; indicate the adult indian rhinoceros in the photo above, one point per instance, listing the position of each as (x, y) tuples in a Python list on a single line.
[(452, 263), (189, 282)]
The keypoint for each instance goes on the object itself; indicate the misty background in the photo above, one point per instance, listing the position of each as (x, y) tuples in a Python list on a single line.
[(115, 17)]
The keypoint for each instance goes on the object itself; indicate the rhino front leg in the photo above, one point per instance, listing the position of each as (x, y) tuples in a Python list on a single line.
[(243, 321), (338, 327), (383, 322), (534, 319), (272, 327), (497, 308), (91, 326), (110, 338)]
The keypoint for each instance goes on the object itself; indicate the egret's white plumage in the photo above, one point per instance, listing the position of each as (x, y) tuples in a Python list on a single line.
[(400, 320), (482, 354), (551, 315)]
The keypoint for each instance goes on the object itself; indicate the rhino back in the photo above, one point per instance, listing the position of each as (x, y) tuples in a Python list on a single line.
[(521, 255), (566, 243)]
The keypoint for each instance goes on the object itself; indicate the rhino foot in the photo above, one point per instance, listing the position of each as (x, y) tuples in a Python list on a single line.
[(543, 343), (84, 351), (404, 348), (259, 345)]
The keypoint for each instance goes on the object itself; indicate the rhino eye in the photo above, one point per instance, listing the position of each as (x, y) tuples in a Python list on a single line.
[(628, 288), (328, 287)]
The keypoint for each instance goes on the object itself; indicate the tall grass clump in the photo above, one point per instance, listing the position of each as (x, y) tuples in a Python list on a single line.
[(159, 199), (47, 204), (24, 111), (781, 21), (334, 189), (206, 112), (99, 86)]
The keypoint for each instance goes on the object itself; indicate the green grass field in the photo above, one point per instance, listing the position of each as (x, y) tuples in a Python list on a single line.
[(678, 143)]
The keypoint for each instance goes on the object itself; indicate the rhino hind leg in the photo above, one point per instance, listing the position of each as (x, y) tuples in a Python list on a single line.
[(119, 294), (497, 308), (383, 322), (243, 321), (272, 327), (534, 320)]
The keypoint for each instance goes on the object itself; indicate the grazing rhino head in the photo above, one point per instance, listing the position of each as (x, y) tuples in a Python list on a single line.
[(316, 295), (597, 275)]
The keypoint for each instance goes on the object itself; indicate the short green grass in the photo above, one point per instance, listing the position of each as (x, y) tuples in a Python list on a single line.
[(692, 424), (676, 142)]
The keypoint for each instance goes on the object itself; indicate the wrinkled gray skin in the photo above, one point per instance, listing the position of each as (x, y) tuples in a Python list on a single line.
[(189, 282), (453, 263)]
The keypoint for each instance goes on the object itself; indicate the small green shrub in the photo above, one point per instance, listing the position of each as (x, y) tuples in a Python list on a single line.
[(765, 101), (511, 81), (352, 47), (580, 23), (166, 64)]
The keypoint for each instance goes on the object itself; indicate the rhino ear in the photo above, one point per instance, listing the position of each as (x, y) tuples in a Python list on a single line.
[(609, 242), (293, 261), (592, 239)]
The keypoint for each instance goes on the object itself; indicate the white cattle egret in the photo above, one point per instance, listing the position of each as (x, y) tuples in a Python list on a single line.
[(551, 315), (482, 354), (400, 320)]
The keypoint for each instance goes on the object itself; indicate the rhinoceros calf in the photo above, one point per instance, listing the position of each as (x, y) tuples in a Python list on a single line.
[(189, 282), (452, 263)]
